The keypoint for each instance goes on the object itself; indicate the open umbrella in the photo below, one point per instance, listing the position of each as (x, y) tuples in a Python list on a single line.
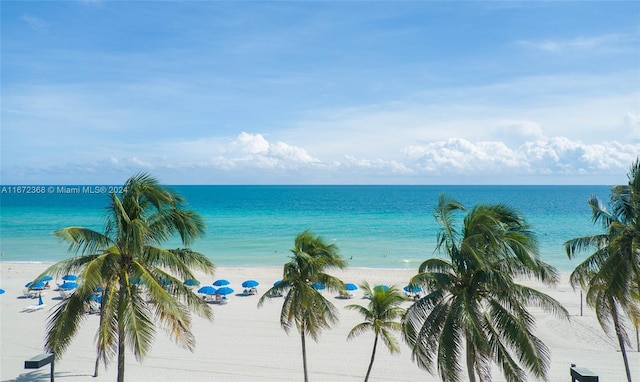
[(250, 284), (191, 282), (68, 285), (69, 277), (46, 278), (318, 286), (36, 286), (413, 289), (381, 287), (221, 282), (1, 291), (224, 290), (207, 289), (350, 286)]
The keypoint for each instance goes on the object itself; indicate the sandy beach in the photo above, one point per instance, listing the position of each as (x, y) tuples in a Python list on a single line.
[(244, 343)]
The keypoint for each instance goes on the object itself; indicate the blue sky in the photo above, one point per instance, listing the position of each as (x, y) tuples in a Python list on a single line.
[(304, 92)]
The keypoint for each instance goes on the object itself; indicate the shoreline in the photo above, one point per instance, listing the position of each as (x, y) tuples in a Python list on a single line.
[(244, 343)]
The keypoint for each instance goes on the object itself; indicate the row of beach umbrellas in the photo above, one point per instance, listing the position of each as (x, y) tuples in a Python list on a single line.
[(222, 284)]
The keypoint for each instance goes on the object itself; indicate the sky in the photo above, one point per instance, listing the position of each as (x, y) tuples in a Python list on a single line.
[(319, 92)]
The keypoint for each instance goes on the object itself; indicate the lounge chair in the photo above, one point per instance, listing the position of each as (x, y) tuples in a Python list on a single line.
[(94, 307), (345, 294), (33, 308), (66, 293)]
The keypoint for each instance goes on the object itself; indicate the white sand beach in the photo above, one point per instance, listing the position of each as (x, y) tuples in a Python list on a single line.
[(244, 343)]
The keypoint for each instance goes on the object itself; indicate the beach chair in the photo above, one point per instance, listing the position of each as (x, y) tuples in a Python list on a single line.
[(66, 293), (345, 294), (94, 307), (33, 308)]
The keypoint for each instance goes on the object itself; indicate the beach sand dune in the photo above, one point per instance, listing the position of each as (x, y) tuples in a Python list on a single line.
[(244, 343)]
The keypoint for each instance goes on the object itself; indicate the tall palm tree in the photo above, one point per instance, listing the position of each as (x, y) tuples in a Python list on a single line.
[(127, 262), (473, 303), (304, 306), (380, 317), (611, 274)]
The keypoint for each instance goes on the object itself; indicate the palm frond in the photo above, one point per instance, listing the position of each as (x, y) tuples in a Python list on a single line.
[(83, 240)]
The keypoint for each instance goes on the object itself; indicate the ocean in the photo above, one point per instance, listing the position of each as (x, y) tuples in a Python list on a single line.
[(373, 226)]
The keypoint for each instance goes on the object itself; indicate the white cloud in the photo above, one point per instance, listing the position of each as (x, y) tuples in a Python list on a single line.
[(251, 158), (36, 23), (577, 43), (254, 151)]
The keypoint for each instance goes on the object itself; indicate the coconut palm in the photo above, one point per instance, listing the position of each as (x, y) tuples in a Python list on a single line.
[(380, 317), (304, 306), (473, 308), (611, 274), (141, 281)]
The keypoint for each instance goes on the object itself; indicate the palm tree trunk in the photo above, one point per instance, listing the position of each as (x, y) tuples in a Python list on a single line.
[(616, 323), (373, 356), (304, 357), (120, 355), (471, 361), (121, 329), (100, 339)]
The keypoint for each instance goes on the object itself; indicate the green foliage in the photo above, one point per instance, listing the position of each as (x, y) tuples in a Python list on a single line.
[(473, 308), (381, 316), (128, 265), (611, 274), (305, 307)]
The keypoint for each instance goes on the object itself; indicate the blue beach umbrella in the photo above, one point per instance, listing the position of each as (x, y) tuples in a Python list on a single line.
[(381, 287), (207, 289), (250, 284), (277, 283), (1, 291), (69, 277), (36, 286), (318, 286), (46, 278), (221, 282), (350, 286), (191, 282), (68, 285), (224, 290), (413, 289)]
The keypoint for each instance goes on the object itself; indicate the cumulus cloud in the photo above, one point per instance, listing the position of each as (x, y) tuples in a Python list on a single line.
[(553, 156), (252, 158), (254, 151)]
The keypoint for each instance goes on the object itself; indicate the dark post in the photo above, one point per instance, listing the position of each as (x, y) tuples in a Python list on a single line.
[(581, 374), (41, 360)]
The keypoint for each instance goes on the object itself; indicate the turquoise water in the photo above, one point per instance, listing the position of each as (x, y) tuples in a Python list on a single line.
[(373, 226)]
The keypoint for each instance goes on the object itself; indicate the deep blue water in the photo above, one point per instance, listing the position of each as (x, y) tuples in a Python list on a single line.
[(374, 226)]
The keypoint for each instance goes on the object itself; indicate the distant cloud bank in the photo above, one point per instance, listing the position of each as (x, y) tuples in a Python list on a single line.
[(250, 158)]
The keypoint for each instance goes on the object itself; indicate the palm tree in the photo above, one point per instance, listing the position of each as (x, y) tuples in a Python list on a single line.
[(380, 316), (132, 270), (304, 306), (473, 303), (611, 274)]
